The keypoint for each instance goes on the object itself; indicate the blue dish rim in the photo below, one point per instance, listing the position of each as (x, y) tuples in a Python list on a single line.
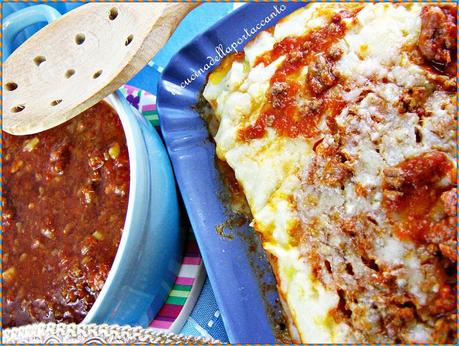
[(239, 281)]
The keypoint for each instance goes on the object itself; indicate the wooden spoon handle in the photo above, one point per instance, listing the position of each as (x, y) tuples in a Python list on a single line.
[(81, 58)]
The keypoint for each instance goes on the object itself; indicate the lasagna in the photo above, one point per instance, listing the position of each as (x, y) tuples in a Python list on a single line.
[(339, 124)]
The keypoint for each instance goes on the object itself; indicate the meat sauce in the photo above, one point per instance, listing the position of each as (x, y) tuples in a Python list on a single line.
[(66, 195), (420, 199), (413, 193), (283, 111), (437, 41)]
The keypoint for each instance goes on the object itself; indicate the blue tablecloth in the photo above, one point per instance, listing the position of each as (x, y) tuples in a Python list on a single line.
[(205, 319)]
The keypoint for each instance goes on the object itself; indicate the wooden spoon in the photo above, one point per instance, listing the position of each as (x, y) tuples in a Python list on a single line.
[(84, 56)]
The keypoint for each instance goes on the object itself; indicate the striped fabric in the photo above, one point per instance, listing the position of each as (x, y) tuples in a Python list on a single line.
[(143, 101), (189, 271)]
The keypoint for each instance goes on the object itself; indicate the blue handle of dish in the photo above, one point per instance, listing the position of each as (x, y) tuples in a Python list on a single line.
[(19, 20)]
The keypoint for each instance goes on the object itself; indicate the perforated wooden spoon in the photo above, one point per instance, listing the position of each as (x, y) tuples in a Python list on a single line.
[(76, 61)]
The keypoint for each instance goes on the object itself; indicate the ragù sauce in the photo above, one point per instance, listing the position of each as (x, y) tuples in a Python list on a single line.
[(283, 111), (65, 201), (412, 203)]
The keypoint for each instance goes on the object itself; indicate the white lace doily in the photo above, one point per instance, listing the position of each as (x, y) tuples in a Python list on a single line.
[(51, 333)]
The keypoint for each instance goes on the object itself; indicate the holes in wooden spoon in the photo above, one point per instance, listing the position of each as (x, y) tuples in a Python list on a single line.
[(129, 40), (10, 86), (97, 74), (69, 73), (38, 60), (55, 102), (113, 13), (79, 38), (18, 108)]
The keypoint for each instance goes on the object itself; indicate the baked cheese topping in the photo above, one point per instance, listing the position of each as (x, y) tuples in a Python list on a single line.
[(339, 125)]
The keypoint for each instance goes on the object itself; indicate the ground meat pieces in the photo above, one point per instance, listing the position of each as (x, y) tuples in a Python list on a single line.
[(393, 177), (327, 146), (97, 279), (279, 94), (413, 100), (329, 167), (96, 159), (445, 302), (334, 53), (438, 35), (448, 249), (335, 173), (320, 76), (295, 56), (58, 158), (412, 200), (397, 317), (449, 199), (353, 253), (417, 171), (310, 106), (445, 330), (443, 232)]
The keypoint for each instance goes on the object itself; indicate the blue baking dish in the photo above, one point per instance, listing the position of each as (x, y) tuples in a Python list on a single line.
[(150, 250), (240, 275)]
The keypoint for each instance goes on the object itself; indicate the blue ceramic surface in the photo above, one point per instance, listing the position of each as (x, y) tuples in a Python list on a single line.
[(241, 277), (150, 250), (19, 20)]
